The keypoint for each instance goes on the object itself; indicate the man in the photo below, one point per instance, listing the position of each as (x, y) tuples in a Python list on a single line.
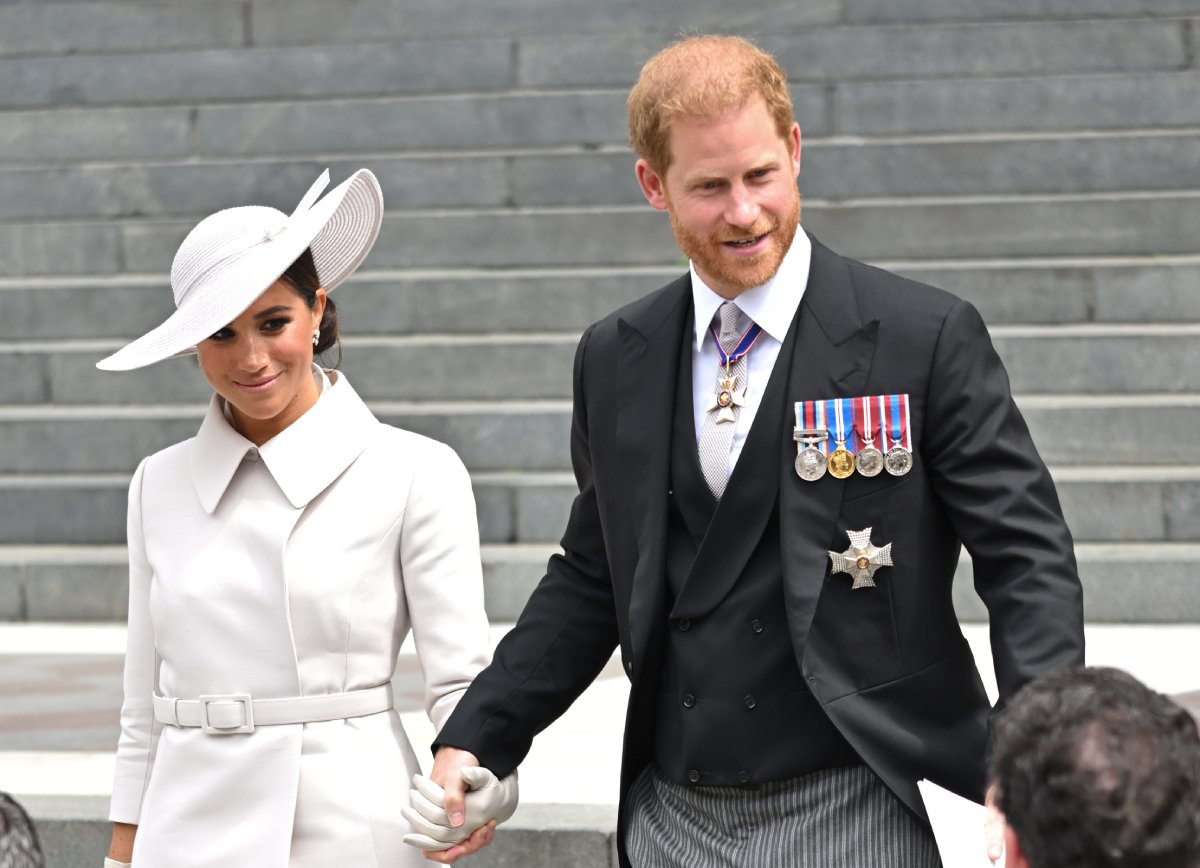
[(1095, 770), (795, 659)]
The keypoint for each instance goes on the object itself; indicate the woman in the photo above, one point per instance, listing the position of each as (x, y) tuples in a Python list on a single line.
[(277, 561)]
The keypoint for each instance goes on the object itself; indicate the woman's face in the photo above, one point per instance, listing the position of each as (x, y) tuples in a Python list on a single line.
[(261, 363)]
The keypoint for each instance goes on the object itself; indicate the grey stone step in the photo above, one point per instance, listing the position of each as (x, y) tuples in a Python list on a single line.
[(1102, 504), (91, 583), (847, 53), (77, 73), (1110, 224), (1098, 102), (590, 118), (240, 73), (988, 10), (73, 829), (1126, 582), (78, 28), (297, 22), (1091, 359), (834, 169), (1063, 291)]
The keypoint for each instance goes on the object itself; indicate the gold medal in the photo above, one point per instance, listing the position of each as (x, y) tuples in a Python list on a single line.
[(841, 462)]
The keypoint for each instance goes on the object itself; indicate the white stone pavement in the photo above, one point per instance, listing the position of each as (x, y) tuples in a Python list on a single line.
[(576, 760)]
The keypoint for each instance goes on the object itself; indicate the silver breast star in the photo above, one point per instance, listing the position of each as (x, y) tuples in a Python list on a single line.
[(862, 559), (725, 398)]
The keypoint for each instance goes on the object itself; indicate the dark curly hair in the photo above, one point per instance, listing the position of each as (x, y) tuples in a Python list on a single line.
[(1093, 769)]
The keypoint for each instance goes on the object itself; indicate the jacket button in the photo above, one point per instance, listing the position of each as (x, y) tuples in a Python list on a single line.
[(750, 703), (688, 700), (629, 666), (743, 777), (685, 624), (694, 776), (756, 625)]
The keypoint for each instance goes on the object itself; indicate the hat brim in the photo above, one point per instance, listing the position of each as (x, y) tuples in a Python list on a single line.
[(340, 229)]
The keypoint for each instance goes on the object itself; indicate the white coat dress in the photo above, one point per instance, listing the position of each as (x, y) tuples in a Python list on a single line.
[(294, 569)]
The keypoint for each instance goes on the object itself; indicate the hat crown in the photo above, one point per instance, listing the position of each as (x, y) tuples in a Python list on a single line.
[(218, 241)]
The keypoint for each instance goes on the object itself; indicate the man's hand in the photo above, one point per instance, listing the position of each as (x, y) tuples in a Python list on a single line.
[(444, 809), (993, 827)]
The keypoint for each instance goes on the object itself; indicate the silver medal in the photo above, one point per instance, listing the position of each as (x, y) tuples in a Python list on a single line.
[(811, 462), (898, 460), (869, 461)]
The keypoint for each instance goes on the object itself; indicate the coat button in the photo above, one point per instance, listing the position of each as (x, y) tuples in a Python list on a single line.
[(756, 625), (694, 776), (688, 700), (629, 666), (685, 624), (750, 703), (743, 777)]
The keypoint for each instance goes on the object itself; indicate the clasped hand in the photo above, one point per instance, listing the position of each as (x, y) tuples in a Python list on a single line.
[(488, 801)]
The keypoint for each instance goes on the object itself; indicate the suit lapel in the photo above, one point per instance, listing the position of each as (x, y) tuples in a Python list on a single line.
[(647, 372), (833, 354)]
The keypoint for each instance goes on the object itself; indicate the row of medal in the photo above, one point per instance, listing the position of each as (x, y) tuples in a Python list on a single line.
[(839, 436)]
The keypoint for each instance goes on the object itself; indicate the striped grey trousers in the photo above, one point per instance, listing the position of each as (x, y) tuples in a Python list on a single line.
[(835, 818)]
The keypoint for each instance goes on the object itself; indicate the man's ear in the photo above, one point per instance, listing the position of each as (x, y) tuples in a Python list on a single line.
[(794, 148), (652, 184)]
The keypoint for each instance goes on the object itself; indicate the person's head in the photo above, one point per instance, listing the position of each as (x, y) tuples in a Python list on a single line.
[(710, 119), (1092, 769), (251, 291), (18, 841)]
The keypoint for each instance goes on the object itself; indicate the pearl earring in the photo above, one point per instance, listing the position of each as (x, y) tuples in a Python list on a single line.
[(316, 336)]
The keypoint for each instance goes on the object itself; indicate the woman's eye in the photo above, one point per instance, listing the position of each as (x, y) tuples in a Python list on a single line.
[(274, 325), (221, 335)]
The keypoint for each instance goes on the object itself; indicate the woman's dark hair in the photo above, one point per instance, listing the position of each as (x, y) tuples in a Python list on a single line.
[(302, 276)]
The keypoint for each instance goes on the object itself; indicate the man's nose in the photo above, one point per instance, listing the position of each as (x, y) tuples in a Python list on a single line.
[(743, 210)]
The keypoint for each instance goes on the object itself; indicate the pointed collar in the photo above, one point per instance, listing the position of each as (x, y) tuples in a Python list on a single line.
[(772, 305), (303, 459)]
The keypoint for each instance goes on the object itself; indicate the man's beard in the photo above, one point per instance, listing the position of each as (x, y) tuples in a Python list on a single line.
[(717, 265)]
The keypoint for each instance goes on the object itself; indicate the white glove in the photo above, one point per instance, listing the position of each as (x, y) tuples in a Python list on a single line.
[(113, 863), (488, 798)]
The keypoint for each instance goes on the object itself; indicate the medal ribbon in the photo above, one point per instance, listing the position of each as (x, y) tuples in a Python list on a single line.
[(898, 405), (743, 345), (866, 430), (834, 409), (819, 408)]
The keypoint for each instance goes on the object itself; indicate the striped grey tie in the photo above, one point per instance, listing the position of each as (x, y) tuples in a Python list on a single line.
[(716, 435)]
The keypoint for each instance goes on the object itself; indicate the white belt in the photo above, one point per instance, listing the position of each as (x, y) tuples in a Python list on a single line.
[(234, 713)]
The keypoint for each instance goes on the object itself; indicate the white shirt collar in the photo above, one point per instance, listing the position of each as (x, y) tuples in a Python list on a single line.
[(303, 459), (772, 305)]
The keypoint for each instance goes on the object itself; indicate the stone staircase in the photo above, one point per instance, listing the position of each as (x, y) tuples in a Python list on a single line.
[(1038, 157), (1041, 159)]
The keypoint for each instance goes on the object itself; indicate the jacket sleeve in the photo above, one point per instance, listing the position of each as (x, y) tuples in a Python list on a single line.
[(1003, 505), (443, 580), (139, 731), (564, 637)]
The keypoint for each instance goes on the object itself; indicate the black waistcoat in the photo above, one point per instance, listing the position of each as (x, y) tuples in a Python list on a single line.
[(732, 707)]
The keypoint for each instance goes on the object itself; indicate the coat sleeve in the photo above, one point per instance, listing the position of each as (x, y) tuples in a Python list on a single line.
[(1003, 505), (564, 637), (139, 731), (443, 579)]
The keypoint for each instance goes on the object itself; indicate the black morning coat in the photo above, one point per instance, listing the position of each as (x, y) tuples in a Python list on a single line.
[(889, 665)]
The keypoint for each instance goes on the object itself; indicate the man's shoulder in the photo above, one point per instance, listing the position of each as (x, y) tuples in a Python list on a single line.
[(881, 292), (646, 312)]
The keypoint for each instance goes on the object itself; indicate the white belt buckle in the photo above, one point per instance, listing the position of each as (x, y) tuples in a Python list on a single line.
[(211, 706)]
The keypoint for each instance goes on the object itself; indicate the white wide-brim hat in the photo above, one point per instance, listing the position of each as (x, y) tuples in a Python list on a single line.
[(235, 255)]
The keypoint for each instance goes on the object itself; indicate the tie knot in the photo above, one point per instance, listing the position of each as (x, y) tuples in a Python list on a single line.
[(733, 325)]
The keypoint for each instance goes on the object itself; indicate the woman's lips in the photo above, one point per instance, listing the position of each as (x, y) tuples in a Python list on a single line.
[(257, 386)]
